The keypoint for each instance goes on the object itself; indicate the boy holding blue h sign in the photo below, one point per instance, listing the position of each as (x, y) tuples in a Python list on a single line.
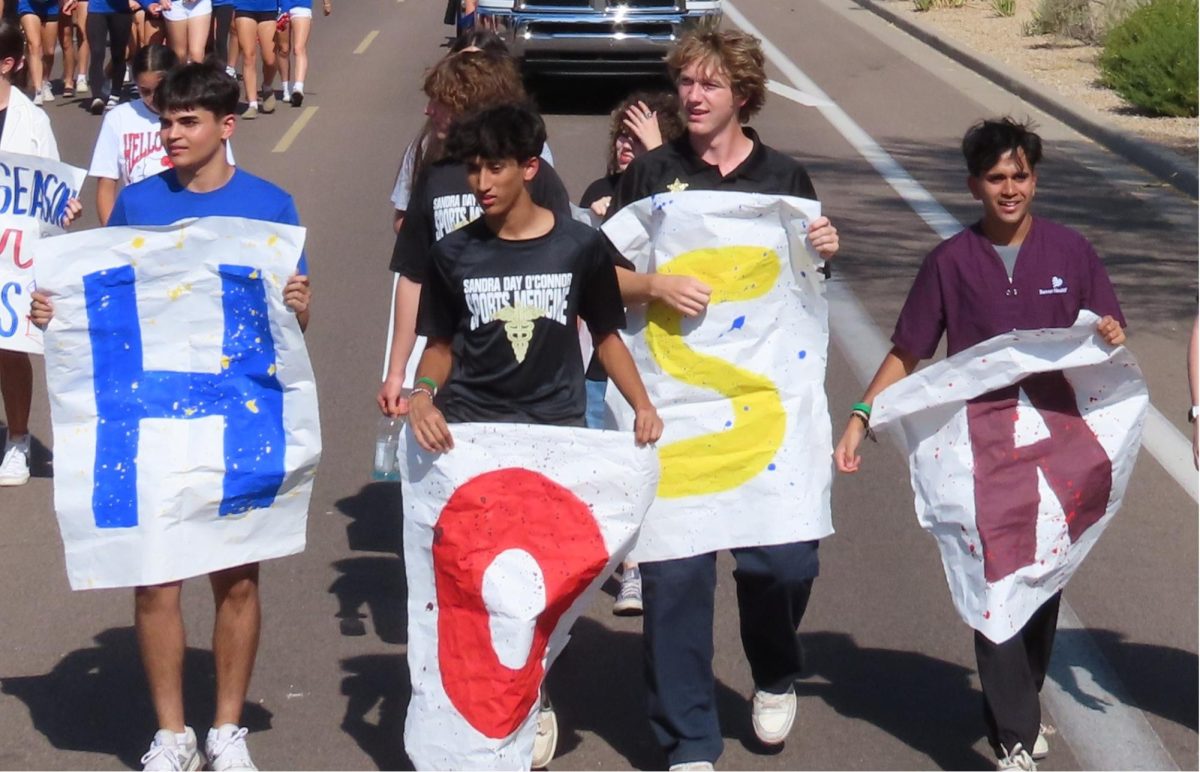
[(197, 104)]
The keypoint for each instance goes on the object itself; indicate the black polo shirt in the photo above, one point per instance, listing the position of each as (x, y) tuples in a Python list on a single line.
[(674, 166)]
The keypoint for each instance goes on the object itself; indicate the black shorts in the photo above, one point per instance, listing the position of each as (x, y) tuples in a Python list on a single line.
[(258, 16)]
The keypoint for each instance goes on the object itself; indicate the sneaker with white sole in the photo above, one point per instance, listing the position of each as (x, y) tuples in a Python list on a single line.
[(773, 715), (685, 766), (629, 598), (251, 112), (14, 468), (226, 749), (268, 102), (170, 752), (97, 106), (1017, 758), (47, 91), (38, 98), (1041, 748), (112, 103), (81, 85), (545, 741)]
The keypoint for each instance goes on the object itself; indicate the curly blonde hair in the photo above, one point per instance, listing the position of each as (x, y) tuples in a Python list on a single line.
[(732, 53), (474, 80)]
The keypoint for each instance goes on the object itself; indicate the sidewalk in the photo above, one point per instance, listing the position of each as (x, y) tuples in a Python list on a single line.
[(1165, 164)]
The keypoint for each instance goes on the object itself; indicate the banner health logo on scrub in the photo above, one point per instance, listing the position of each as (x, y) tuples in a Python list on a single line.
[(245, 392)]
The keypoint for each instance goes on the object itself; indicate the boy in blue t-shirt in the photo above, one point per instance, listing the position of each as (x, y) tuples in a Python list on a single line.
[(196, 104)]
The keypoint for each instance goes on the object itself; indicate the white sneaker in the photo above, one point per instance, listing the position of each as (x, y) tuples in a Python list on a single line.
[(689, 765), (38, 98), (629, 598), (81, 85), (1017, 758), (773, 715), (1041, 748), (546, 740), (47, 91), (287, 94), (14, 469), (172, 752), (231, 71), (226, 749), (112, 103)]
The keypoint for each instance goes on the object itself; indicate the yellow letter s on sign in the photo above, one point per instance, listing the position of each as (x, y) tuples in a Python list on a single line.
[(717, 462)]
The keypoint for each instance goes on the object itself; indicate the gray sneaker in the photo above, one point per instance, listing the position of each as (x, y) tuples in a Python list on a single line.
[(268, 103), (629, 598), (545, 742), (250, 113), (170, 752)]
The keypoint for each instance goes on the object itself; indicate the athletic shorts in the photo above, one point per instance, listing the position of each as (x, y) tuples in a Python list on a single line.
[(258, 16), (46, 10), (300, 12), (182, 10)]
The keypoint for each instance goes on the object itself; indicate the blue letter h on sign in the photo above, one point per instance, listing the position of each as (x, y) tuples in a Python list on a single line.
[(245, 391)]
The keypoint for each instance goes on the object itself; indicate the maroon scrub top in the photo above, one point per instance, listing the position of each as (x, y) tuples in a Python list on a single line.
[(963, 289)]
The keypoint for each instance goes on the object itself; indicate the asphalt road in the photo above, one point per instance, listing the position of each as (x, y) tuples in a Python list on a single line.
[(891, 682)]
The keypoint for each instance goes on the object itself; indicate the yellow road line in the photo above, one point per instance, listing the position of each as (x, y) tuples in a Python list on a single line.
[(367, 41), (287, 139)]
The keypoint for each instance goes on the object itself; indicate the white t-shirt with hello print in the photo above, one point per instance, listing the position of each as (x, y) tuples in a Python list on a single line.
[(129, 148)]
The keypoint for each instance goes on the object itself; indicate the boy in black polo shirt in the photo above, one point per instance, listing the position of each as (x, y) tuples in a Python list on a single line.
[(721, 81)]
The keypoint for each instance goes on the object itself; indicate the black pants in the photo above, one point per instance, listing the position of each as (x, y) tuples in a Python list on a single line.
[(773, 587), (222, 21), (115, 29), (1012, 674)]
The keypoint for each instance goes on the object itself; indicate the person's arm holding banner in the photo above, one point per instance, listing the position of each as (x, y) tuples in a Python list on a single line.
[(427, 422)]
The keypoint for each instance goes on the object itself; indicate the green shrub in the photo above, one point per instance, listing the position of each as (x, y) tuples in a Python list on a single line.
[(1004, 7), (925, 5), (1150, 58), (1069, 18)]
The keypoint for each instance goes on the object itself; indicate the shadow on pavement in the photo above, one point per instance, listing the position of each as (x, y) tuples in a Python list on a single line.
[(926, 703), (373, 582), (1155, 679), (96, 700), (377, 684)]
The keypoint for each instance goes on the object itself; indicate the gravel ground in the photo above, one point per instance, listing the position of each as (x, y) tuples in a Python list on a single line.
[(1061, 63)]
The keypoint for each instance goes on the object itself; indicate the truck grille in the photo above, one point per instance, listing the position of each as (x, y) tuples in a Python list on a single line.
[(660, 6)]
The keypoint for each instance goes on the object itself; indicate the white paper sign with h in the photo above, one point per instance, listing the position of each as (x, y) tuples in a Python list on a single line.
[(186, 432)]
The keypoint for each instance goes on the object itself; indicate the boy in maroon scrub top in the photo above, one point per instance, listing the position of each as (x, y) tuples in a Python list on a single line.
[(1008, 271)]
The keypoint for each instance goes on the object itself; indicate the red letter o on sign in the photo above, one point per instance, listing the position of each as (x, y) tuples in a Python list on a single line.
[(494, 512)]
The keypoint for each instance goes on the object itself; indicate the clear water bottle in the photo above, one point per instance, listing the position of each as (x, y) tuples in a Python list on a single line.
[(387, 449)]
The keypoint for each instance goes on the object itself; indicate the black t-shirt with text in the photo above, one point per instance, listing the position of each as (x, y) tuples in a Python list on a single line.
[(674, 166), (510, 309), (442, 202)]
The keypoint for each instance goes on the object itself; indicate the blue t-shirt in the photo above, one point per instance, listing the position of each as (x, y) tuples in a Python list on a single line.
[(258, 6), (162, 200)]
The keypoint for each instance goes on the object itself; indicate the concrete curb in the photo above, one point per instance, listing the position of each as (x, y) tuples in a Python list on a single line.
[(1168, 167)]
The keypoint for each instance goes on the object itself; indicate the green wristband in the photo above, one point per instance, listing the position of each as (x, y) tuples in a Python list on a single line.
[(863, 406), (432, 384)]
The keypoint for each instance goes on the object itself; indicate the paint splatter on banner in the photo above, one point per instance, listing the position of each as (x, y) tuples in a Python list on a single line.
[(33, 200), (186, 433), (1020, 449), (745, 452), (507, 538)]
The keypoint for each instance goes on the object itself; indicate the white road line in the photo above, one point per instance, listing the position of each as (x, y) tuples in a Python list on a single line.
[(795, 94), (294, 130), (362, 47), (1124, 733)]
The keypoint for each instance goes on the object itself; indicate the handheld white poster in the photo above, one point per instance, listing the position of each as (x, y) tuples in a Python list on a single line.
[(745, 452), (33, 199), (507, 539), (186, 432), (1020, 449)]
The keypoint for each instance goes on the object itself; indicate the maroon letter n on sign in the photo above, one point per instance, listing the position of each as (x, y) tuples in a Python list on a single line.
[(1006, 483)]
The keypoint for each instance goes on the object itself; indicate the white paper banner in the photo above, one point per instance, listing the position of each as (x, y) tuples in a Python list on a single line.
[(745, 452), (33, 199), (507, 539), (186, 432), (1017, 485)]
